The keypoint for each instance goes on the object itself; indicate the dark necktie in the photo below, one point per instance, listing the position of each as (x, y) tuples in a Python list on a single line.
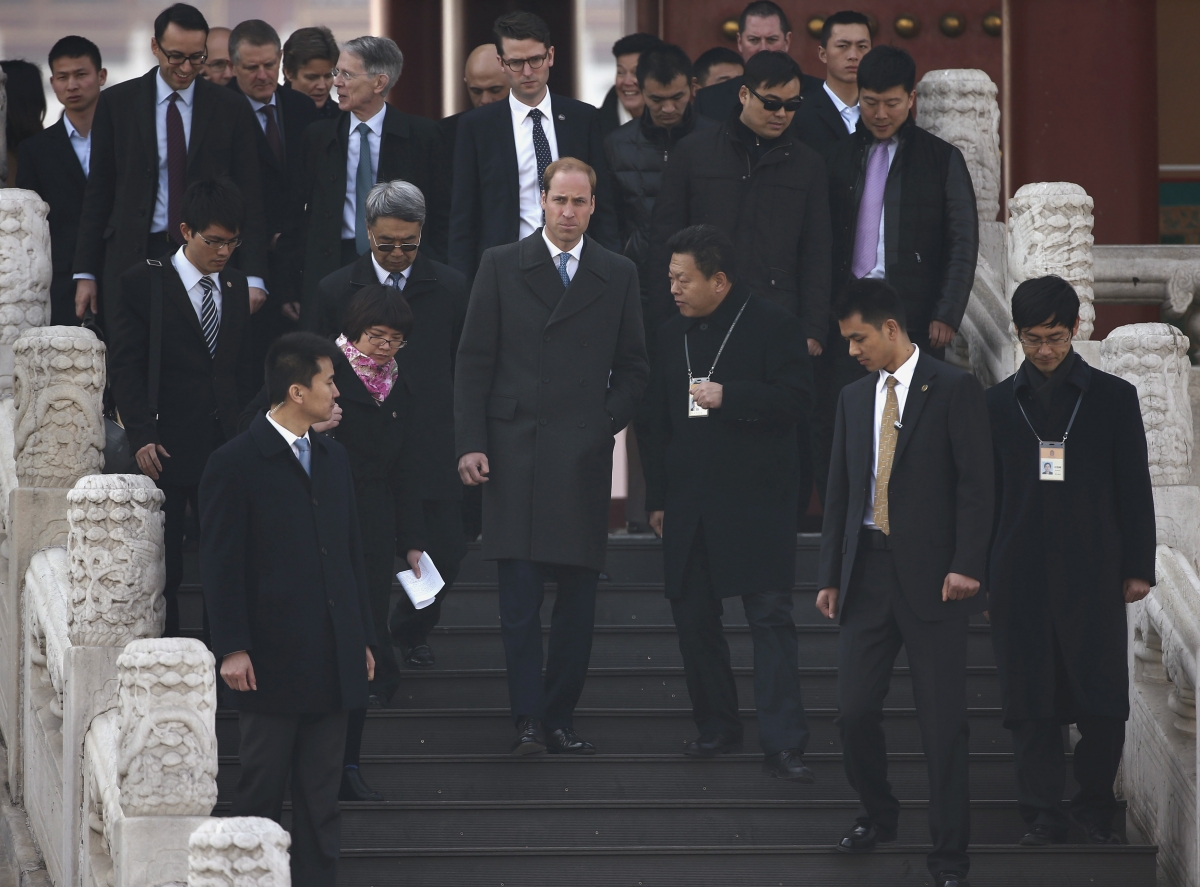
[(364, 179), (176, 168), (541, 149), (209, 322), (273, 139), (396, 279)]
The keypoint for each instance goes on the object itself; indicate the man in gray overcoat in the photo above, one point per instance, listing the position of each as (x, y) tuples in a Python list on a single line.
[(551, 365)]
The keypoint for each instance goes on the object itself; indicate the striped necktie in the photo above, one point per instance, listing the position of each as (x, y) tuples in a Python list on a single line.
[(209, 322)]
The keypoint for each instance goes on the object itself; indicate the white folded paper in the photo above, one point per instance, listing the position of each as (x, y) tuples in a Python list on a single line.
[(422, 591)]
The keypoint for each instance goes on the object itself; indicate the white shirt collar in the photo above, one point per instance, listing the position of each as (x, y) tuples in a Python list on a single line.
[(258, 106), (287, 435), (189, 273), (383, 274), (520, 110), (903, 374), (163, 91), (837, 102), (576, 251), (375, 124), (72, 132)]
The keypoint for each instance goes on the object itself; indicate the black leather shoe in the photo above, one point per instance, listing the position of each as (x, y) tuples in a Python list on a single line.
[(1097, 835), (531, 738), (565, 741), (712, 744), (952, 879), (354, 789), (864, 838), (788, 764), (374, 701), (1042, 835), (419, 656)]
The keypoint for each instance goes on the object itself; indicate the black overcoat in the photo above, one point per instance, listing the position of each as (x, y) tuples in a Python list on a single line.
[(545, 378), (281, 563), (1062, 550), (735, 472)]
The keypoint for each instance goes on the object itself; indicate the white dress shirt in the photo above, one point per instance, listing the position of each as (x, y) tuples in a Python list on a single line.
[(383, 274), (190, 275), (81, 144), (186, 104), (574, 252), (849, 113), (288, 436), (879, 272), (262, 118), (374, 140), (528, 187), (903, 376)]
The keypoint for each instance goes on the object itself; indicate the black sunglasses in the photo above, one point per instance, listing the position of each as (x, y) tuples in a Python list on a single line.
[(388, 247), (775, 104)]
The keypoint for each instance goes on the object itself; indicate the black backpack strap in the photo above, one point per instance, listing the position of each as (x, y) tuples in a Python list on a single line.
[(156, 334)]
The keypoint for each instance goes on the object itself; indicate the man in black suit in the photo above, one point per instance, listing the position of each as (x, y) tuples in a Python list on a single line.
[(437, 295), (55, 161), (484, 76), (730, 379), (502, 151), (830, 114), (152, 137), (551, 366), (761, 26), (369, 142), (908, 518), (282, 116), (281, 562), (207, 372)]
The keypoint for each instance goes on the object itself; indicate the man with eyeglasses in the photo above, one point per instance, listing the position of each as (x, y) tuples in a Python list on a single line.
[(1071, 548), (502, 150), (151, 137), (207, 371), (218, 67)]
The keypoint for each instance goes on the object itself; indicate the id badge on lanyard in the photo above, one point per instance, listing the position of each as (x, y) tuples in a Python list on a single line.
[(695, 411), (1052, 454)]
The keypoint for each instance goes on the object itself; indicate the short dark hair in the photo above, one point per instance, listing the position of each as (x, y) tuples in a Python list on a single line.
[(710, 248), (664, 63), (771, 68), (306, 44), (764, 9), (520, 25), (212, 202), (294, 359), (718, 55), (376, 304), (253, 32), (845, 17), (631, 43), (74, 47), (1046, 300), (187, 17), (26, 101), (872, 299), (885, 67)]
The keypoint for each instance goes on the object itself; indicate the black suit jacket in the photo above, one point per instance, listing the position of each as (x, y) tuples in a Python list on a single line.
[(437, 295), (281, 563), (486, 207), (940, 495), (411, 149), (720, 100), (818, 123), (199, 396), (118, 205), (48, 165)]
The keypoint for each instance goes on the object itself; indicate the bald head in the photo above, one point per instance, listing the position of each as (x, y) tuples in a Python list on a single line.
[(218, 68), (484, 77)]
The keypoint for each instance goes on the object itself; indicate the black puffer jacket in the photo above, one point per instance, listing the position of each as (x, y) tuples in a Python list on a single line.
[(637, 153)]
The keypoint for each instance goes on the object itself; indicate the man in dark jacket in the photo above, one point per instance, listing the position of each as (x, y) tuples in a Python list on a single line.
[(551, 365), (730, 380), (281, 563), (830, 114), (437, 295), (1071, 548)]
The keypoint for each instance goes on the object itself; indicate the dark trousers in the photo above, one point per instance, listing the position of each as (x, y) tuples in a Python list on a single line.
[(175, 512), (1042, 771), (876, 622), (308, 748), (445, 546), (781, 721), (522, 589)]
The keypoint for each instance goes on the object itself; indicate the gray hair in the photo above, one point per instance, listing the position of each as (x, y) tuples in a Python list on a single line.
[(253, 32), (396, 200), (379, 55)]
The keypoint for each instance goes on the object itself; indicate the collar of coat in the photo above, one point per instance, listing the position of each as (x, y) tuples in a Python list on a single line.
[(271, 443), (394, 123), (663, 137), (866, 138), (363, 272), (771, 154), (1080, 375), (722, 317)]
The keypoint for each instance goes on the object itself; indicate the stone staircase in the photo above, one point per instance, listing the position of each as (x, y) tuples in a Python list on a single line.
[(461, 812)]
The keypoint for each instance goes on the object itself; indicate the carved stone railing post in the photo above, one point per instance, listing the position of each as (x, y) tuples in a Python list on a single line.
[(3, 127), (25, 272), (238, 851)]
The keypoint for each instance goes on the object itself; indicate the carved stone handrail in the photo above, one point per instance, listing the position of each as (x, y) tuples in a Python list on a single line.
[(1158, 274), (8, 462), (239, 850), (47, 578)]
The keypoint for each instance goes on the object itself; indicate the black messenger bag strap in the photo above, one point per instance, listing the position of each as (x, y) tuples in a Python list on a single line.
[(154, 369)]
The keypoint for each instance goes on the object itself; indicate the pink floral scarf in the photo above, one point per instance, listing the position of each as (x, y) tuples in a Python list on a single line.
[(377, 379)]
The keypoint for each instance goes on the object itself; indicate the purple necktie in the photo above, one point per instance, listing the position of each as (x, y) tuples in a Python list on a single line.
[(870, 210), (176, 168), (274, 142)]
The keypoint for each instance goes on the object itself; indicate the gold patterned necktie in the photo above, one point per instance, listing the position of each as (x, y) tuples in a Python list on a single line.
[(887, 452)]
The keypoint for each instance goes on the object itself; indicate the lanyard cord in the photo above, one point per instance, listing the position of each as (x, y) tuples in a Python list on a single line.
[(1078, 401), (688, 357)]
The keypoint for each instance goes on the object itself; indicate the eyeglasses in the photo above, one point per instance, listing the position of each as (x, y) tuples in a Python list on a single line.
[(775, 104), (221, 244), (388, 247), (381, 342), (219, 65), (518, 65), (175, 59), (344, 74), (1055, 341)]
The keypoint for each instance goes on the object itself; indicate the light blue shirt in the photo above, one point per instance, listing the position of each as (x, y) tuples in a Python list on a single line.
[(262, 118), (81, 144), (374, 139), (186, 103)]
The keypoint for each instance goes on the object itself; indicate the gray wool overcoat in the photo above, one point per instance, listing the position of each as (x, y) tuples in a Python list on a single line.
[(545, 377)]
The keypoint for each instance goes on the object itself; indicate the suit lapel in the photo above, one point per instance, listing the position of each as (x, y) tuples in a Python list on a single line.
[(203, 103), (563, 131), (860, 427), (396, 131), (173, 290), (539, 271), (147, 107), (234, 293), (587, 285), (421, 279), (506, 141), (70, 160), (918, 394)]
